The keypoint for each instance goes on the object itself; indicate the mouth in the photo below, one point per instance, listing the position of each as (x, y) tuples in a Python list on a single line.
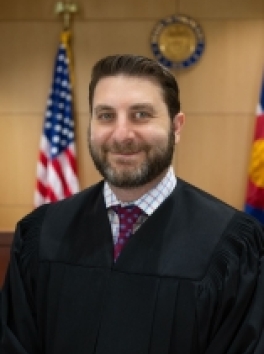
[(125, 157), (125, 151), (125, 154)]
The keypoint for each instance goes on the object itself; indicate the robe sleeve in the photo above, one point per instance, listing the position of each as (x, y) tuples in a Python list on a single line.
[(19, 322), (230, 308)]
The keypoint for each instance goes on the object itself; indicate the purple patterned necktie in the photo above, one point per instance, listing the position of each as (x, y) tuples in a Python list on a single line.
[(128, 216)]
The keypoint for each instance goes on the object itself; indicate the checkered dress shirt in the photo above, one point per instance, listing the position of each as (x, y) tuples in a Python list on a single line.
[(148, 203)]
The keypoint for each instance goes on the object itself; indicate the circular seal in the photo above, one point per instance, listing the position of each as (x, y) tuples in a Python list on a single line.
[(177, 42)]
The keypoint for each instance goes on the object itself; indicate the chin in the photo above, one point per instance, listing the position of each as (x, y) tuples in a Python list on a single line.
[(125, 164)]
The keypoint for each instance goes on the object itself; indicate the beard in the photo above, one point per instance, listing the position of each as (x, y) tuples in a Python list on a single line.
[(157, 160)]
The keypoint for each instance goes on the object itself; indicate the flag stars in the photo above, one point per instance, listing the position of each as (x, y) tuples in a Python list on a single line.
[(56, 139), (54, 150), (47, 124)]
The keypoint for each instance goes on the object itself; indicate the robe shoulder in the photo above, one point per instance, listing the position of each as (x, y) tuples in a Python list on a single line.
[(32, 222), (57, 216), (230, 230)]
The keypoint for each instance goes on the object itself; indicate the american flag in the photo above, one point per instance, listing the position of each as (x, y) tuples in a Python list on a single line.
[(56, 167)]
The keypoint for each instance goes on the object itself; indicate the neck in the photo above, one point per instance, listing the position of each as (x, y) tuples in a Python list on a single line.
[(131, 194)]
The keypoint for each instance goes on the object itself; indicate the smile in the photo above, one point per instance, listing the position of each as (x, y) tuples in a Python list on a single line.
[(126, 155)]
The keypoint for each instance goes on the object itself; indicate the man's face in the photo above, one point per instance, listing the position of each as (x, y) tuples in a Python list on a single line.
[(131, 136)]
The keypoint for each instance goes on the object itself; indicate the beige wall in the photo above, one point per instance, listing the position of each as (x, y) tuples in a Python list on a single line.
[(218, 95)]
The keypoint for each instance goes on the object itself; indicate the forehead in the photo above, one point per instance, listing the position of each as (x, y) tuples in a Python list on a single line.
[(127, 89)]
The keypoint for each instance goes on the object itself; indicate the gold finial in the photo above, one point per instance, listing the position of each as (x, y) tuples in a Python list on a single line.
[(66, 9)]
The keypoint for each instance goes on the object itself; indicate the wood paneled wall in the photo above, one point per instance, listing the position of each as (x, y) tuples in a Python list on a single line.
[(218, 95), (5, 242)]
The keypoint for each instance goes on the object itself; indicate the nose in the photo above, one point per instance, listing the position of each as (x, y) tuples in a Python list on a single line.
[(123, 129)]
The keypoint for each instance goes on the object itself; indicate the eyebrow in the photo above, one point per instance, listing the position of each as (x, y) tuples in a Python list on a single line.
[(140, 106), (134, 107), (102, 107)]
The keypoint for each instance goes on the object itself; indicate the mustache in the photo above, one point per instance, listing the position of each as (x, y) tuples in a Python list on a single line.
[(125, 148)]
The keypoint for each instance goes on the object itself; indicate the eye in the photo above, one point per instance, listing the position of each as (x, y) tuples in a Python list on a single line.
[(105, 116), (141, 115)]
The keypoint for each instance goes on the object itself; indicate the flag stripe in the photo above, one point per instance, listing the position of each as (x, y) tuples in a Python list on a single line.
[(50, 196), (58, 168), (259, 130), (71, 157), (255, 196), (41, 188), (43, 159)]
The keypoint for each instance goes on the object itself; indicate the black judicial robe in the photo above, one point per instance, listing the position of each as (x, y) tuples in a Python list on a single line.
[(189, 281)]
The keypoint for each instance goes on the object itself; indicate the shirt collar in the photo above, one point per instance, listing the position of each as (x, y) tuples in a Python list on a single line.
[(150, 201)]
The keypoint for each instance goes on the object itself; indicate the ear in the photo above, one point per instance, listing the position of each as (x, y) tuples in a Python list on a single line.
[(178, 122)]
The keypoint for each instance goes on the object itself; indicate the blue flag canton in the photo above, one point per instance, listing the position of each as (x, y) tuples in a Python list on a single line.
[(59, 124)]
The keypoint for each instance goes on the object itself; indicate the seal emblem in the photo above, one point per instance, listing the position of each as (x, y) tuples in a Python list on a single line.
[(177, 42)]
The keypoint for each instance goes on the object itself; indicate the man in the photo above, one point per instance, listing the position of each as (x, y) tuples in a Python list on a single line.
[(190, 276)]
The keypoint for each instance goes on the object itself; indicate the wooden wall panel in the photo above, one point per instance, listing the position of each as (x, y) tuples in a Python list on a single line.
[(27, 10), (5, 242), (11, 213), (228, 9), (92, 9), (132, 9), (213, 154), (20, 142), (26, 64)]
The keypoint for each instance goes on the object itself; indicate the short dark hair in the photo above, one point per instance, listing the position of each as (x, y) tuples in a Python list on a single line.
[(137, 66)]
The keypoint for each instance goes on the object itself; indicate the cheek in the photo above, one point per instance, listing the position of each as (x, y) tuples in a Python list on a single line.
[(98, 136), (156, 135)]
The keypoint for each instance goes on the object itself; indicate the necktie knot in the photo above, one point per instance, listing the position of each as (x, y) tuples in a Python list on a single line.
[(128, 213), (128, 216)]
